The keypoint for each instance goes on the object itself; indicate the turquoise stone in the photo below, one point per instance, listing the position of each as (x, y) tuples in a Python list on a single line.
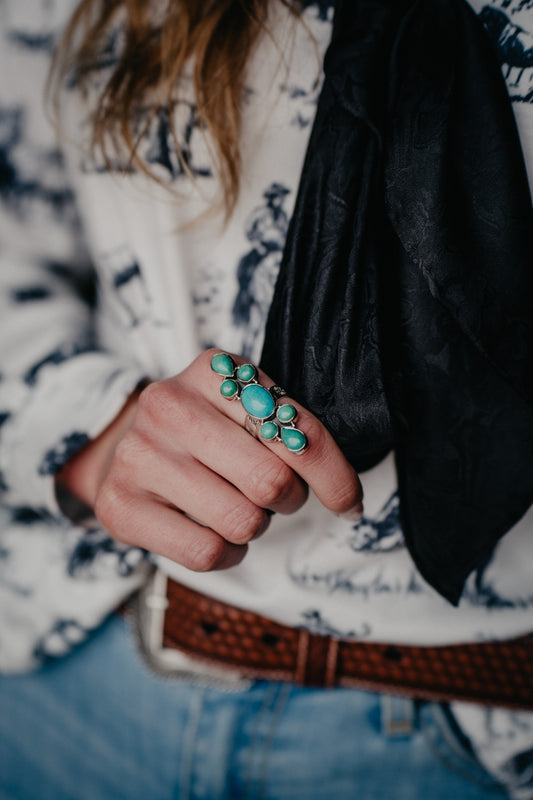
[(228, 388), (286, 413), (246, 372), (269, 430), (294, 439), (222, 364), (257, 401)]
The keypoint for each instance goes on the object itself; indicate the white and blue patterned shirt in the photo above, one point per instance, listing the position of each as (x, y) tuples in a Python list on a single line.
[(164, 292), (101, 285)]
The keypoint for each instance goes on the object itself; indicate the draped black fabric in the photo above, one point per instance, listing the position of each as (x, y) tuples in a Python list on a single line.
[(403, 312)]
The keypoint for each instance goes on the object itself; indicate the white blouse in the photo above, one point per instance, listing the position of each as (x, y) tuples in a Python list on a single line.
[(164, 291)]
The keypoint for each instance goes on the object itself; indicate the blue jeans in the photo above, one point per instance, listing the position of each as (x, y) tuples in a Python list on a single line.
[(99, 726)]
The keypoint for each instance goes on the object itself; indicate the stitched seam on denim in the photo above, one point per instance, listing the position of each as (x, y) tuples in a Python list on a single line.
[(456, 759), (263, 771), (189, 745), (256, 735)]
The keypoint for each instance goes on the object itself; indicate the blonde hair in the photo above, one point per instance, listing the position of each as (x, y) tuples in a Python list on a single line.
[(219, 33)]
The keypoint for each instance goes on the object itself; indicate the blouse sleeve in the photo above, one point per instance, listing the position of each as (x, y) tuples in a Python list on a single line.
[(57, 388)]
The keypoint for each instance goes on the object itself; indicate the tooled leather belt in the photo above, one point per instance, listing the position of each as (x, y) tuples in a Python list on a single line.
[(492, 673)]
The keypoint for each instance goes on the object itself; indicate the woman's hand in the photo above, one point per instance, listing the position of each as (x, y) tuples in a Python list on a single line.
[(176, 472)]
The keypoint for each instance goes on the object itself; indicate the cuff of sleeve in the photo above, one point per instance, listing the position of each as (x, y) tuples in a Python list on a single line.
[(45, 424)]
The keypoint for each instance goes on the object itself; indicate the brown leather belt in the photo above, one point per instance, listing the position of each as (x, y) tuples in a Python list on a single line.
[(492, 673)]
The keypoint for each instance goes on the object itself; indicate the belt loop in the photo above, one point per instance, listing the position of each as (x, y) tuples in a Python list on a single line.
[(332, 658), (301, 661), (397, 716), (317, 660)]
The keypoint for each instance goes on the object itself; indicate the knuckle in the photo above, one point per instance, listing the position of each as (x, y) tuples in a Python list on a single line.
[(156, 400), (129, 450), (206, 554), (167, 401), (104, 504), (109, 506), (244, 523), (271, 484)]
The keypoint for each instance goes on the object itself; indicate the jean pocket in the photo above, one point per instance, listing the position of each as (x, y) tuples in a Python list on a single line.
[(452, 747)]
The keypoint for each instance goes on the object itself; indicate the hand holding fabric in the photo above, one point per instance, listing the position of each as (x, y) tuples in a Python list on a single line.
[(176, 472)]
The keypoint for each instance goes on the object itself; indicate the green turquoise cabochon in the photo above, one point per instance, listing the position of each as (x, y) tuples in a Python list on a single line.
[(228, 388), (294, 439), (246, 372), (257, 401), (269, 430), (286, 413), (222, 364)]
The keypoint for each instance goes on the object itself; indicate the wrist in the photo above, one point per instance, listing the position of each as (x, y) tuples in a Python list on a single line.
[(82, 475)]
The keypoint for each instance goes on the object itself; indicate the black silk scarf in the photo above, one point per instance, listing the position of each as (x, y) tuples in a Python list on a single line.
[(402, 315)]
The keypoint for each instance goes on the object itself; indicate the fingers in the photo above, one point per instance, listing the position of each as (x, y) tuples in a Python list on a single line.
[(194, 426), (165, 531), (266, 480), (322, 465), (326, 470), (190, 486), (188, 482)]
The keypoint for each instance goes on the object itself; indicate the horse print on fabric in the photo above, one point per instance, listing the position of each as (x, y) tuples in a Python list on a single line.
[(266, 229)]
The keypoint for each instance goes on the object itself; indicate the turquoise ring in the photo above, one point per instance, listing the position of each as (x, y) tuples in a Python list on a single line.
[(266, 418)]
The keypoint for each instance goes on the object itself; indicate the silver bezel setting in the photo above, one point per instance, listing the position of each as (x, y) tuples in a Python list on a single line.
[(253, 424)]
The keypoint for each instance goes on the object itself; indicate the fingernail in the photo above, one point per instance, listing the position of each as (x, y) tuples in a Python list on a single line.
[(354, 514)]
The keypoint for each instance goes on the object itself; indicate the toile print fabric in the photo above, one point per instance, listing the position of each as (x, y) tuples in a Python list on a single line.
[(115, 295), (102, 285)]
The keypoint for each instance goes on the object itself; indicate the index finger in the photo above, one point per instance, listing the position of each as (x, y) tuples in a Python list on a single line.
[(321, 464)]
